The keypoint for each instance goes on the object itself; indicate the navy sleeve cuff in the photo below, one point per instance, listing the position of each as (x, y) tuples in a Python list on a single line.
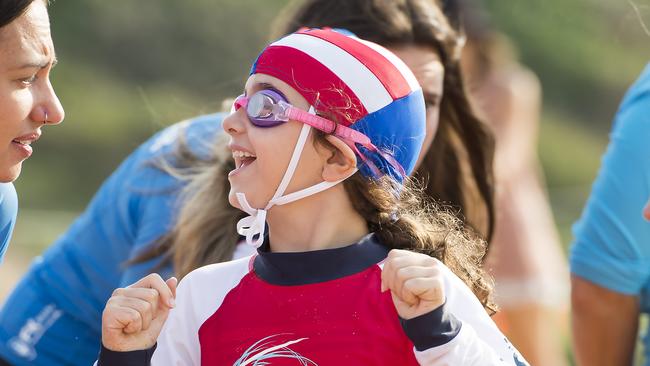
[(130, 358), (432, 329)]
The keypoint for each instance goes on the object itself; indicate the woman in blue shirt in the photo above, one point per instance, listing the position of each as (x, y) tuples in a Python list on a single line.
[(27, 100)]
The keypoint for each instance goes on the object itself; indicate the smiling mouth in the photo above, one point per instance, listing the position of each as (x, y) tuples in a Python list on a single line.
[(243, 159), (23, 142)]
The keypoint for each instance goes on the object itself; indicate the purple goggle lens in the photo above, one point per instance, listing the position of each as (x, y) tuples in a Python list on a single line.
[(264, 108)]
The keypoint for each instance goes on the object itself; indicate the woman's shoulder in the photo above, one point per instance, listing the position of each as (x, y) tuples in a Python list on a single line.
[(8, 212), (8, 205)]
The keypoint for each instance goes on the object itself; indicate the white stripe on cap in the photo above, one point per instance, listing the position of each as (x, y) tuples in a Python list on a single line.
[(399, 64), (367, 87)]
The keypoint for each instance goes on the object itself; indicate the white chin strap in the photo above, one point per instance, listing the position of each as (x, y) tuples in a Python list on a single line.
[(254, 224)]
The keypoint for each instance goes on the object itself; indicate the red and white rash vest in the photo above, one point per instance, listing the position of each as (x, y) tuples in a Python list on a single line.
[(321, 307)]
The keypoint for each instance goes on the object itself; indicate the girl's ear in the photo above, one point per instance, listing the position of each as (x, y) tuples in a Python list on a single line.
[(341, 161)]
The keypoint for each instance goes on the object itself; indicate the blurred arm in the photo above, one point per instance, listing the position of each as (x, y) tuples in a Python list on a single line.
[(605, 324)]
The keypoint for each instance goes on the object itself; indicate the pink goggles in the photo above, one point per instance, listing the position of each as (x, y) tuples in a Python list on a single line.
[(269, 108)]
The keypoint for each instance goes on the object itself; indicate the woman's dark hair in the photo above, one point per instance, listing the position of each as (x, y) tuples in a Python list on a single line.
[(457, 169), (12, 9)]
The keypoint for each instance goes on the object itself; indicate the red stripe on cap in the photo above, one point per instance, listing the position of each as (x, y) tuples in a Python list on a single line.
[(319, 85), (380, 66)]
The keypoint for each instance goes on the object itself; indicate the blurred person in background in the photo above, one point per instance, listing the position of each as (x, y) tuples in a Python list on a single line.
[(27, 100), (610, 257), (124, 234), (525, 257)]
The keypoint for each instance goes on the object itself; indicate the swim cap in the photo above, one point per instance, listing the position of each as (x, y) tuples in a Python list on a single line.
[(365, 86)]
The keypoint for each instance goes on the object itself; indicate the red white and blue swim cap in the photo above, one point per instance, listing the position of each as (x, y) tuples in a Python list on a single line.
[(364, 85)]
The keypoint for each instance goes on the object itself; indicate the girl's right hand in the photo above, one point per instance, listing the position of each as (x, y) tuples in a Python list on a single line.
[(134, 316)]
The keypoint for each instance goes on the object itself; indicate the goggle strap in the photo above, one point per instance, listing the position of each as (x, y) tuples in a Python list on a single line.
[(372, 166), (240, 101), (327, 126), (293, 163), (390, 159)]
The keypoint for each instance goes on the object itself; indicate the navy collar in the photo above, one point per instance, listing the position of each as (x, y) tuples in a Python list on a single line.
[(302, 268)]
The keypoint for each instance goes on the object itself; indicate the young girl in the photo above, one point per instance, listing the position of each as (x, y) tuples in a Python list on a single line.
[(325, 287), (126, 231)]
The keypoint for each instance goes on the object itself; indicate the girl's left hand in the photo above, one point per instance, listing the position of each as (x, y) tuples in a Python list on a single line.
[(415, 282)]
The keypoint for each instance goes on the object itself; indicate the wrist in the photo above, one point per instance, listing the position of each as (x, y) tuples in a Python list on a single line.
[(431, 329)]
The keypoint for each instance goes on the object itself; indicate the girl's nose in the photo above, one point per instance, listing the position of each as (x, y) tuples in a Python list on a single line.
[(234, 123)]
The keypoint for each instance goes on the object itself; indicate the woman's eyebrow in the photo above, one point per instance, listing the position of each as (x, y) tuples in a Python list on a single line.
[(39, 64)]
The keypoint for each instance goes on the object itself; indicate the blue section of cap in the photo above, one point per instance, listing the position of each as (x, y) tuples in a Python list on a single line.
[(397, 129), (344, 32)]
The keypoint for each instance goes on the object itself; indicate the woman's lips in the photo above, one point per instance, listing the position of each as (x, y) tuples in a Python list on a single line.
[(24, 149), (23, 143)]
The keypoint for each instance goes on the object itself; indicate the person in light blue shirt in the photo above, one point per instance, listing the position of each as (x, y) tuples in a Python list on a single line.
[(65, 289), (610, 258), (8, 211)]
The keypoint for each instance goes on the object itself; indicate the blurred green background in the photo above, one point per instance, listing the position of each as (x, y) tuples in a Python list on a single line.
[(127, 70)]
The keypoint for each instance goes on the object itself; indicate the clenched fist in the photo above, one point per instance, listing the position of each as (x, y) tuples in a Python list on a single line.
[(134, 316), (415, 282)]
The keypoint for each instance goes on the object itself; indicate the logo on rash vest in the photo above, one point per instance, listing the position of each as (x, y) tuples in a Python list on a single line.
[(265, 350)]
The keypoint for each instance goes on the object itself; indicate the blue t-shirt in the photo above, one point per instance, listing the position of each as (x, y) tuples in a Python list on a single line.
[(53, 317), (612, 239), (8, 211)]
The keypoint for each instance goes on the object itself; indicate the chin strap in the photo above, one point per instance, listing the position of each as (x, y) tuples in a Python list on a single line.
[(255, 224)]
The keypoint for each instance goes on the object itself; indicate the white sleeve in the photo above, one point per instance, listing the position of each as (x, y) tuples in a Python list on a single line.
[(460, 332), (197, 298), (178, 343)]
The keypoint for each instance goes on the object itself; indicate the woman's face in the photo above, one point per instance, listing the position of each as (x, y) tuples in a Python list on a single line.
[(262, 154), (26, 95), (427, 68)]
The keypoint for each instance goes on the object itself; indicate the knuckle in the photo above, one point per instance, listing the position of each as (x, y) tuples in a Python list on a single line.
[(117, 292), (151, 294), (431, 261), (134, 315), (403, 273), (434, 272), (155, 277), (146, 307)]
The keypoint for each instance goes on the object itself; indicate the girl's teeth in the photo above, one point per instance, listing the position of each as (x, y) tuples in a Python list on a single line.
[(242, 154)]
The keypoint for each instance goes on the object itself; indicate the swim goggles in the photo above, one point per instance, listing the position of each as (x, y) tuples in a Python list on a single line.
[(269, 108)]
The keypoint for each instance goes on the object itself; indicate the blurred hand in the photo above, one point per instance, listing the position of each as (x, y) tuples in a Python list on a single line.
[(415, 282), (646, 211), (134, 315)]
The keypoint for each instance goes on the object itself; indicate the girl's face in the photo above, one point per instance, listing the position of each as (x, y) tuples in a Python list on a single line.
[(427, 68), (26, 58), (262, 154)]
